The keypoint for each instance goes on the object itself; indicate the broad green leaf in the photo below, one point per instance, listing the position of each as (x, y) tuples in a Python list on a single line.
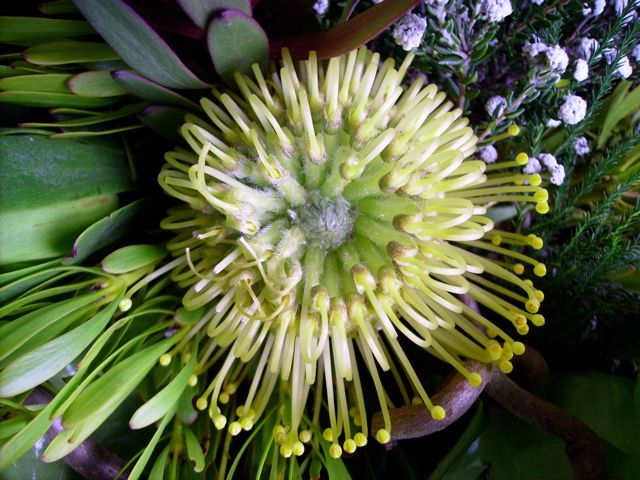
[(132, 257), (17, 332), (137, 43), (200, 11), (194, 450), (165, 121), (235, 42), (346, 36), (64, 52), (163, 401), (621, 103), (148, 90), (98, 83), (47, 360), (51, 100), (115, 385), (11, 426), (105, 231), (514, 449), (47, 82), (14, 275), (146, 455), (57, 7), (605, 403), (44, 232), (35, 171), (26, 31)]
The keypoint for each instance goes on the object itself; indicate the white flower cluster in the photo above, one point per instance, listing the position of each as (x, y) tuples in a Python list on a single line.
[(586, 47), (598, 7), (555, 169), (581, 71), (321, 7), (556, 57), (487, 154), (495, 11), (495, 105), (581, 146), (623, 68), (532, 166), (635, 53), (409, 30), (573, 109)]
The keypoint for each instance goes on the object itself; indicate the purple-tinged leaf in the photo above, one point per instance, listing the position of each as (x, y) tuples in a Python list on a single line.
[(236, 41), (347, 36), (137, 43), (200, 11), (148, 90), (165, 121)]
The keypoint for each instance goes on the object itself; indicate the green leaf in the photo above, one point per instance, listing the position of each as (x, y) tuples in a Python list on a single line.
[(132, 257), (47, 360), (14, 275), (11, 426), (236, 41), (52, 100), (137, 43), (64, 52), (200, 11), (44, 232), (189, 317), (148, 90), (47, 82), (92, 119), (98, 401), (26, 31), (346, 36), (105, 231), (516, 450), (163, 401), (194, 450), (146, 455), (57, 7), (620, 105), (17, 332), (605, 403), (165, 121), (35, 171), (97, 83)]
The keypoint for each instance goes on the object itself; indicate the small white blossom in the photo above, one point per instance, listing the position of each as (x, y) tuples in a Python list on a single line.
[(533, 166), (487, 154), (581, 146), (620, 5), (537, 2), (573, 110), (548, 160), (495, 10), (409, 30), (623, 69), (321, 7), (495, 105), (581, 71), (557, 58), (635, 53), (553, 123), (609, 54), (535, 48), (377, 1), (586, 10), (598, 7), (557, 175), (435, 3), (586, 47)]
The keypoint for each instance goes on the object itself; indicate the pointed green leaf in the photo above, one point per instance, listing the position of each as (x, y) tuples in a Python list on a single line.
[(346, 36), (165, 121), (97, 83), (93, 119), (194, 450), (137, 43), (52, 99), (146, 455), (57, 7), (132, 257), (157, 472), (189, 317), (64, 52), (200, 11), (236, 41), (105, 231), (26, 31), (163, 401), (48, 82), (47, 360), (148, 90), (17, 332)]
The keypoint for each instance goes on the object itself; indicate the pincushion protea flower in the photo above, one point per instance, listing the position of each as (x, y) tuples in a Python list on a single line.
[(328, 212)]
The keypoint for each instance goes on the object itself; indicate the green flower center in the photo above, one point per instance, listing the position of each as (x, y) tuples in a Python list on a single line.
[(327, 223)]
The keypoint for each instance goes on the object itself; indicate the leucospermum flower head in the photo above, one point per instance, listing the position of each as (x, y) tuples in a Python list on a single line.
[(330, 215)]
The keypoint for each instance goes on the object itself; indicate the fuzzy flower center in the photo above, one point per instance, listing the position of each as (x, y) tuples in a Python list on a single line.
[(327, 223)]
